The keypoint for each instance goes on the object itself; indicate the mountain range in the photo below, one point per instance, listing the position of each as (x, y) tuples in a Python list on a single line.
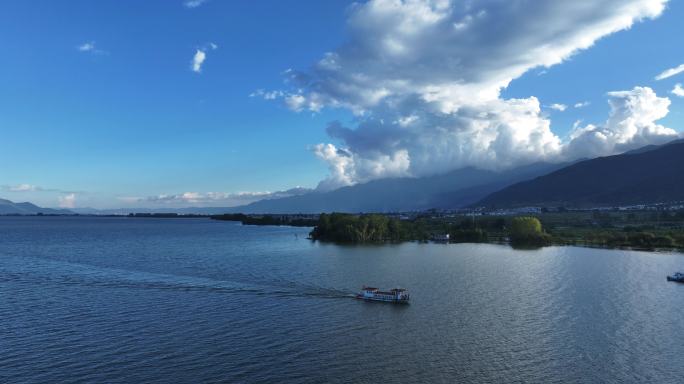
[(455, 189), (452, 190), (10, 208), (652, 174)]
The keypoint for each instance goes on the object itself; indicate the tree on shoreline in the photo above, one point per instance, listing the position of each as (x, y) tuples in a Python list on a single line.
[(528, 231)]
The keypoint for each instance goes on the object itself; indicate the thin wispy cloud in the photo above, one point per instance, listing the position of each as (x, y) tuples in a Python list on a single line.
[(267, 95), (194, 3), (670, 72), (24, 187), (558, 107), (213, 198), (678, 90), (90, 47), (201, 56), (19, 188), (87, 47), (582, 104)]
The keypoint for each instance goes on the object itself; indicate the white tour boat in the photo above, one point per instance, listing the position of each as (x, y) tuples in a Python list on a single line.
[(396, 295)]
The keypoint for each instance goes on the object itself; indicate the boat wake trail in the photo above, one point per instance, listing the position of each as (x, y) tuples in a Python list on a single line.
[(48, 272)]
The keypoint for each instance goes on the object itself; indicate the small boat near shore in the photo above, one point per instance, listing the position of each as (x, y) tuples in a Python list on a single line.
[(677, 277), (395, 295)]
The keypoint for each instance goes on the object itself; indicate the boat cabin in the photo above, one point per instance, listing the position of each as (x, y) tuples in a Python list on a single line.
[(398, 294)]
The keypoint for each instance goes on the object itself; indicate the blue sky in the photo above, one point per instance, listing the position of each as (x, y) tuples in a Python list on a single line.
[(99, 105)]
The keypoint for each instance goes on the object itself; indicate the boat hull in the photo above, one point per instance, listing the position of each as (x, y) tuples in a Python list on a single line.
[(381, 300), (670, 278)]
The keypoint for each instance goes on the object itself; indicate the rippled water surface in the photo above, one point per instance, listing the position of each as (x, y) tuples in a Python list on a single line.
[(125, 300)]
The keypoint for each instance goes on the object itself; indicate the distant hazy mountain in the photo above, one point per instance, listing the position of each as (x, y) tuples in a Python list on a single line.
[(10, 208), (451, 190), (651, 174), (195, 210)]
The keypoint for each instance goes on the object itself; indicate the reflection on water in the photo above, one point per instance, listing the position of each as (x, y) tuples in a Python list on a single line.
[(192, 300)]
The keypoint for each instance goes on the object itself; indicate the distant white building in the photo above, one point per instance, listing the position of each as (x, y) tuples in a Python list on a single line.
[(441, 238)]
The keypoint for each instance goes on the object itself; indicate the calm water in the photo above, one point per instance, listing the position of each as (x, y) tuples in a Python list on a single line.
[(145, 300)]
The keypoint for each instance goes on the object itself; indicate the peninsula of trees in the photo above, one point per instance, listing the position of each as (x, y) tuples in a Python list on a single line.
[(642, 230), (646, 229)]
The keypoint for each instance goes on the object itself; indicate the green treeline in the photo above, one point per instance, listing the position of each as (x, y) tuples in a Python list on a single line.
[(643, 230), (636, 239), (648, 229), (371, 228), (376, 228), (468, 232), (472, 235), (519, 231)]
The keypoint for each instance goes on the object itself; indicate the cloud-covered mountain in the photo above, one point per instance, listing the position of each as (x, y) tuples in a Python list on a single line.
[(653, 174), (424, 79), (451, 190), (10, 208)]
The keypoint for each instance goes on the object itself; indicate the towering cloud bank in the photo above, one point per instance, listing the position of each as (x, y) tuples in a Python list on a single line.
[(424, 79), (631, 125)]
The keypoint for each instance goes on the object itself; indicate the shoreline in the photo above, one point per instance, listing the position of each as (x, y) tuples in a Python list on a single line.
[(639, 236), (576, 245)]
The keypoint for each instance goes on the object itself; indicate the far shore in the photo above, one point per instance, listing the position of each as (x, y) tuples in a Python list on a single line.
[(644, 230)]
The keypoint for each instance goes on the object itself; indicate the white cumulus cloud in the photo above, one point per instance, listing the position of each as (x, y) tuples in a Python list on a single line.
[(631, 124), (445, 52), (497, 134), (440, 63), (558, 107), (678, 90), (424, 79), (200, 56), (348, 168), (198, 60), (67, 201), (670, 72)]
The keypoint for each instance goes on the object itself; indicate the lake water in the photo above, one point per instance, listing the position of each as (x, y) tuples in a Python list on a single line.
[(125, 300)]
